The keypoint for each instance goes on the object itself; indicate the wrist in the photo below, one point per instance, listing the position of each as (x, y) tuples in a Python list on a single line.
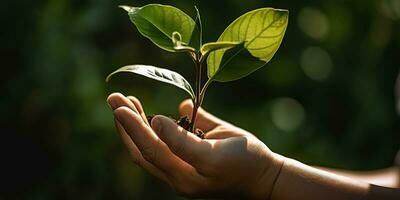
[(272, 168)]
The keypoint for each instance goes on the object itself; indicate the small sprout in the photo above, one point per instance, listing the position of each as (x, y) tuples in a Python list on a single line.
[(254, 38), (176, 38), (180, 46)]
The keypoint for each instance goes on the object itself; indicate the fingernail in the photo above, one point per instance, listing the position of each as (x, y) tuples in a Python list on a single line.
[(111, 104), (156, 124)]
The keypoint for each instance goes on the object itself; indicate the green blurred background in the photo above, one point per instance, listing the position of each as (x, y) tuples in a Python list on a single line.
[(326, 98)]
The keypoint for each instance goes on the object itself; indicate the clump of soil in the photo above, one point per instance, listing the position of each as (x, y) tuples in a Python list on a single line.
[(184, 122), (200, 133)]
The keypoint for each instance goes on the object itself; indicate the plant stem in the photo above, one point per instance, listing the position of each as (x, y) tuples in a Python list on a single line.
[(203, 90), (197, 101), (193, 120)]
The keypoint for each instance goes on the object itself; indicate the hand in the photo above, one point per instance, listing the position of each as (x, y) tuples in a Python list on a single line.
[(228, 163)]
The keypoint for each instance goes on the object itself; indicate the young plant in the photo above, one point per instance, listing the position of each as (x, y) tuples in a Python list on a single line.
[(247, 44)]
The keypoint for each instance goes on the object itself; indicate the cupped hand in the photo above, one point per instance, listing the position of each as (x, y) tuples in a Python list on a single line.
[(228, 163)]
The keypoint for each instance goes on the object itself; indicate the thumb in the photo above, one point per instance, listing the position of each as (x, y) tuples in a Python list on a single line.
[(184, 144), (168, 130)]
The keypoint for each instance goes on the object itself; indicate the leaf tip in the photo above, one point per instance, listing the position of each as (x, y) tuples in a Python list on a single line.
[(283, 11), (126, 8), (108, 78)]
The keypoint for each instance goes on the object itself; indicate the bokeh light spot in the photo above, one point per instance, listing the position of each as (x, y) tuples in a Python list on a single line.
[(287, 114), (313, 23), (316, 63)]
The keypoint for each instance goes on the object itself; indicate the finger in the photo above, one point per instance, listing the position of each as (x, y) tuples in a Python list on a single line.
[(223, 132), (116, 100), (181, 175), (139, 108), (151, 147), (137, 156), (184, 144), (204, 121)]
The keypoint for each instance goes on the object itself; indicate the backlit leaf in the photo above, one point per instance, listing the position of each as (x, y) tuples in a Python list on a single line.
[(236, 63), (213, 46), (261, 32), (158, 22), (159, 74)]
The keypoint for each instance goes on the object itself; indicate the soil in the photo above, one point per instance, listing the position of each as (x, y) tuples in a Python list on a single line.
[(184, 122)]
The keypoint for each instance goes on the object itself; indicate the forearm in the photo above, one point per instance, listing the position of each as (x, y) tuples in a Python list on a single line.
[(299, 181), (389, 177)]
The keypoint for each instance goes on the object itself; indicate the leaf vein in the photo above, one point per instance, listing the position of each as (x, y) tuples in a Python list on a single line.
[(261, 32), (264, 47)]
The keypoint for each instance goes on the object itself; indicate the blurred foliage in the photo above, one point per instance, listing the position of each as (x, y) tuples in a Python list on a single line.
[(326, 98)]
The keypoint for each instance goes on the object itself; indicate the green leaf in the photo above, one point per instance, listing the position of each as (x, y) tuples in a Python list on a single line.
[(159, 74), (236, 63), (261, 32), (158, 22), (213, 46), (197, 37)]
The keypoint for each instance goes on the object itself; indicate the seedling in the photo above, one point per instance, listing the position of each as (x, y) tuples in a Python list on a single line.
[(247, 44)]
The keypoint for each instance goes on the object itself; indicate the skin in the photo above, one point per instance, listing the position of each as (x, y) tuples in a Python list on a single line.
[(388, 177), (230, 163)]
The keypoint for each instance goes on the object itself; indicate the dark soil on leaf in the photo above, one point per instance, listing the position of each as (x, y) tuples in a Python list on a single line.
[(184, 122)]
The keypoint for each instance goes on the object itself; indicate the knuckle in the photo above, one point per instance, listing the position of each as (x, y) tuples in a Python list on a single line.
[(136, 161), (149, 154), (178, 145), (136, 103)]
